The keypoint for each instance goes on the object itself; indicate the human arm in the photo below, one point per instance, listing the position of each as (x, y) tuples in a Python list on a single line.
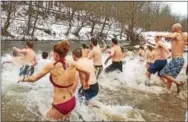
[(112, 52), (165, 48), (168, 36), (91, 54), (102, 49), (84, 76), (39, 75), (23, 51), (35, 61)]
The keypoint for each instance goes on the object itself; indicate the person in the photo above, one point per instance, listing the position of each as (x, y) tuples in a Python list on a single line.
[(161, 53), (173, 68), (116, 55), (149, 56), (85, 50), (141, 53), (87, 64), (29, 59), (44, 55), (96, 55), (62, 76), (15, 59)]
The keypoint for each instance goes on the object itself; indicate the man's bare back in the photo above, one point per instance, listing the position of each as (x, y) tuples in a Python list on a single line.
[(96, 55), (118, 54), (85, 52)]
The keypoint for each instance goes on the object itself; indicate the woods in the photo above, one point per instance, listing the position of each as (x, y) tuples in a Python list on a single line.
[(132, 18)]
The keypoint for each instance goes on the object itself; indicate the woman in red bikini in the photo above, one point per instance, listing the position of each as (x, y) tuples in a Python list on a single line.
[(63, 77)]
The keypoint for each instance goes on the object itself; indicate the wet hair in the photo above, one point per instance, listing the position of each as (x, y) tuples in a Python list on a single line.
[(62, 48), (14, 53), (84, 46), (141, 47), (115, 41), (44, 55), (77, 52), (94, 41), (30, 44), (150, 48)]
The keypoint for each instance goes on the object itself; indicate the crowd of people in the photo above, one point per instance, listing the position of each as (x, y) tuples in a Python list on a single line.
[(86, 66)]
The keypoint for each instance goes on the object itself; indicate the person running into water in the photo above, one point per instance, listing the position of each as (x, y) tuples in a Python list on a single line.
[(141, 53), (161, 53), (93, 90), (85, 50), (96, 55), (149, 56), (15, 59), (29, 59), (116, 55), (63, 78), (173, 68)]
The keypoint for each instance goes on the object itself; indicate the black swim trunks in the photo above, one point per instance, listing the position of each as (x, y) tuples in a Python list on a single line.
[(26, 70), (115, 66), (98, 70), (89, 93)]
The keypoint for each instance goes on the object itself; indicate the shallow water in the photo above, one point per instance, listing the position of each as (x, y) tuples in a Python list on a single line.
[(124, 96)]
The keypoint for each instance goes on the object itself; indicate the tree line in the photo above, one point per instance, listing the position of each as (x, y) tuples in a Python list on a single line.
[(131, 17)]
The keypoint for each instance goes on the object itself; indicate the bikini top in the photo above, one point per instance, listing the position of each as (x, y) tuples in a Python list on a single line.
[(64, 66)]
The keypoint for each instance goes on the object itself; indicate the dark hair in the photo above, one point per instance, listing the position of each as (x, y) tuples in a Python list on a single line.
[(30, 44), (44, 55), (14, 53), (141, 47), (115, 41), (94, 41), (62, 48), (84, 46), (77, 52), (150, 48)]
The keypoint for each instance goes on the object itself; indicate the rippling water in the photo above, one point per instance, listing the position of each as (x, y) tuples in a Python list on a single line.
[(124, 96)]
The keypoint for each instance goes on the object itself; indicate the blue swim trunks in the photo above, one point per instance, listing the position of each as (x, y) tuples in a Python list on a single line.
[(157, 66), (89, 93), (174, 67)]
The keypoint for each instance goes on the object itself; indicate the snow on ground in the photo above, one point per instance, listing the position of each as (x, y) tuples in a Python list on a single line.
[(59, 28)]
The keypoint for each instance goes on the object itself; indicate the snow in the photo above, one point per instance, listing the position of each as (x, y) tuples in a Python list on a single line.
[(59, 28)]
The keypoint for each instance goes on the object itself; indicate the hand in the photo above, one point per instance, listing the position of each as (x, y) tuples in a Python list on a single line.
[(85, 86)]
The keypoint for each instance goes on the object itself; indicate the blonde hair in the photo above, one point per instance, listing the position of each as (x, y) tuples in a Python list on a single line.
[(177, 26)]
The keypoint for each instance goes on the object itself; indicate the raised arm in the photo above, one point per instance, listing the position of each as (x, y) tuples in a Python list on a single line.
[(112, 52), (19, 50), (168, 36), (41, 74), (102, 49)]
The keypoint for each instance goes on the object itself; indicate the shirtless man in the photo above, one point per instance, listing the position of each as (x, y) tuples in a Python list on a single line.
[(116, 55), (160, 58), (141, 53), (171, 70), (149, 56), (88, 65), (96, 55), (85, 50), (29, 59), (16, 59)]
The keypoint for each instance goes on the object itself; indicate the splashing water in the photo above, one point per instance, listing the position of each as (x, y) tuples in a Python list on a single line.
[(31, 101)]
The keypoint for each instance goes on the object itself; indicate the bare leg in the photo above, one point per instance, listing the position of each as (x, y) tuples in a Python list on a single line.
[(54, 114)]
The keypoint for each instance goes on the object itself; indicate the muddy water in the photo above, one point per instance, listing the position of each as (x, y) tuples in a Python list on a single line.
[(124, 98)]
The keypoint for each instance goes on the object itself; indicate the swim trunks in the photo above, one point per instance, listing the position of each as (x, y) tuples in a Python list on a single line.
[(89, 93), (114, 66), (157, 66), (26, 70), (98, 70), (174, 67)]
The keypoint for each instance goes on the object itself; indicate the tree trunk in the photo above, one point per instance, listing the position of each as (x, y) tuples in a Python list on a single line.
[(104, 23), (70, 20), (35, 19), (122, 28), (76, 33), (29, 18), (92, 27)]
